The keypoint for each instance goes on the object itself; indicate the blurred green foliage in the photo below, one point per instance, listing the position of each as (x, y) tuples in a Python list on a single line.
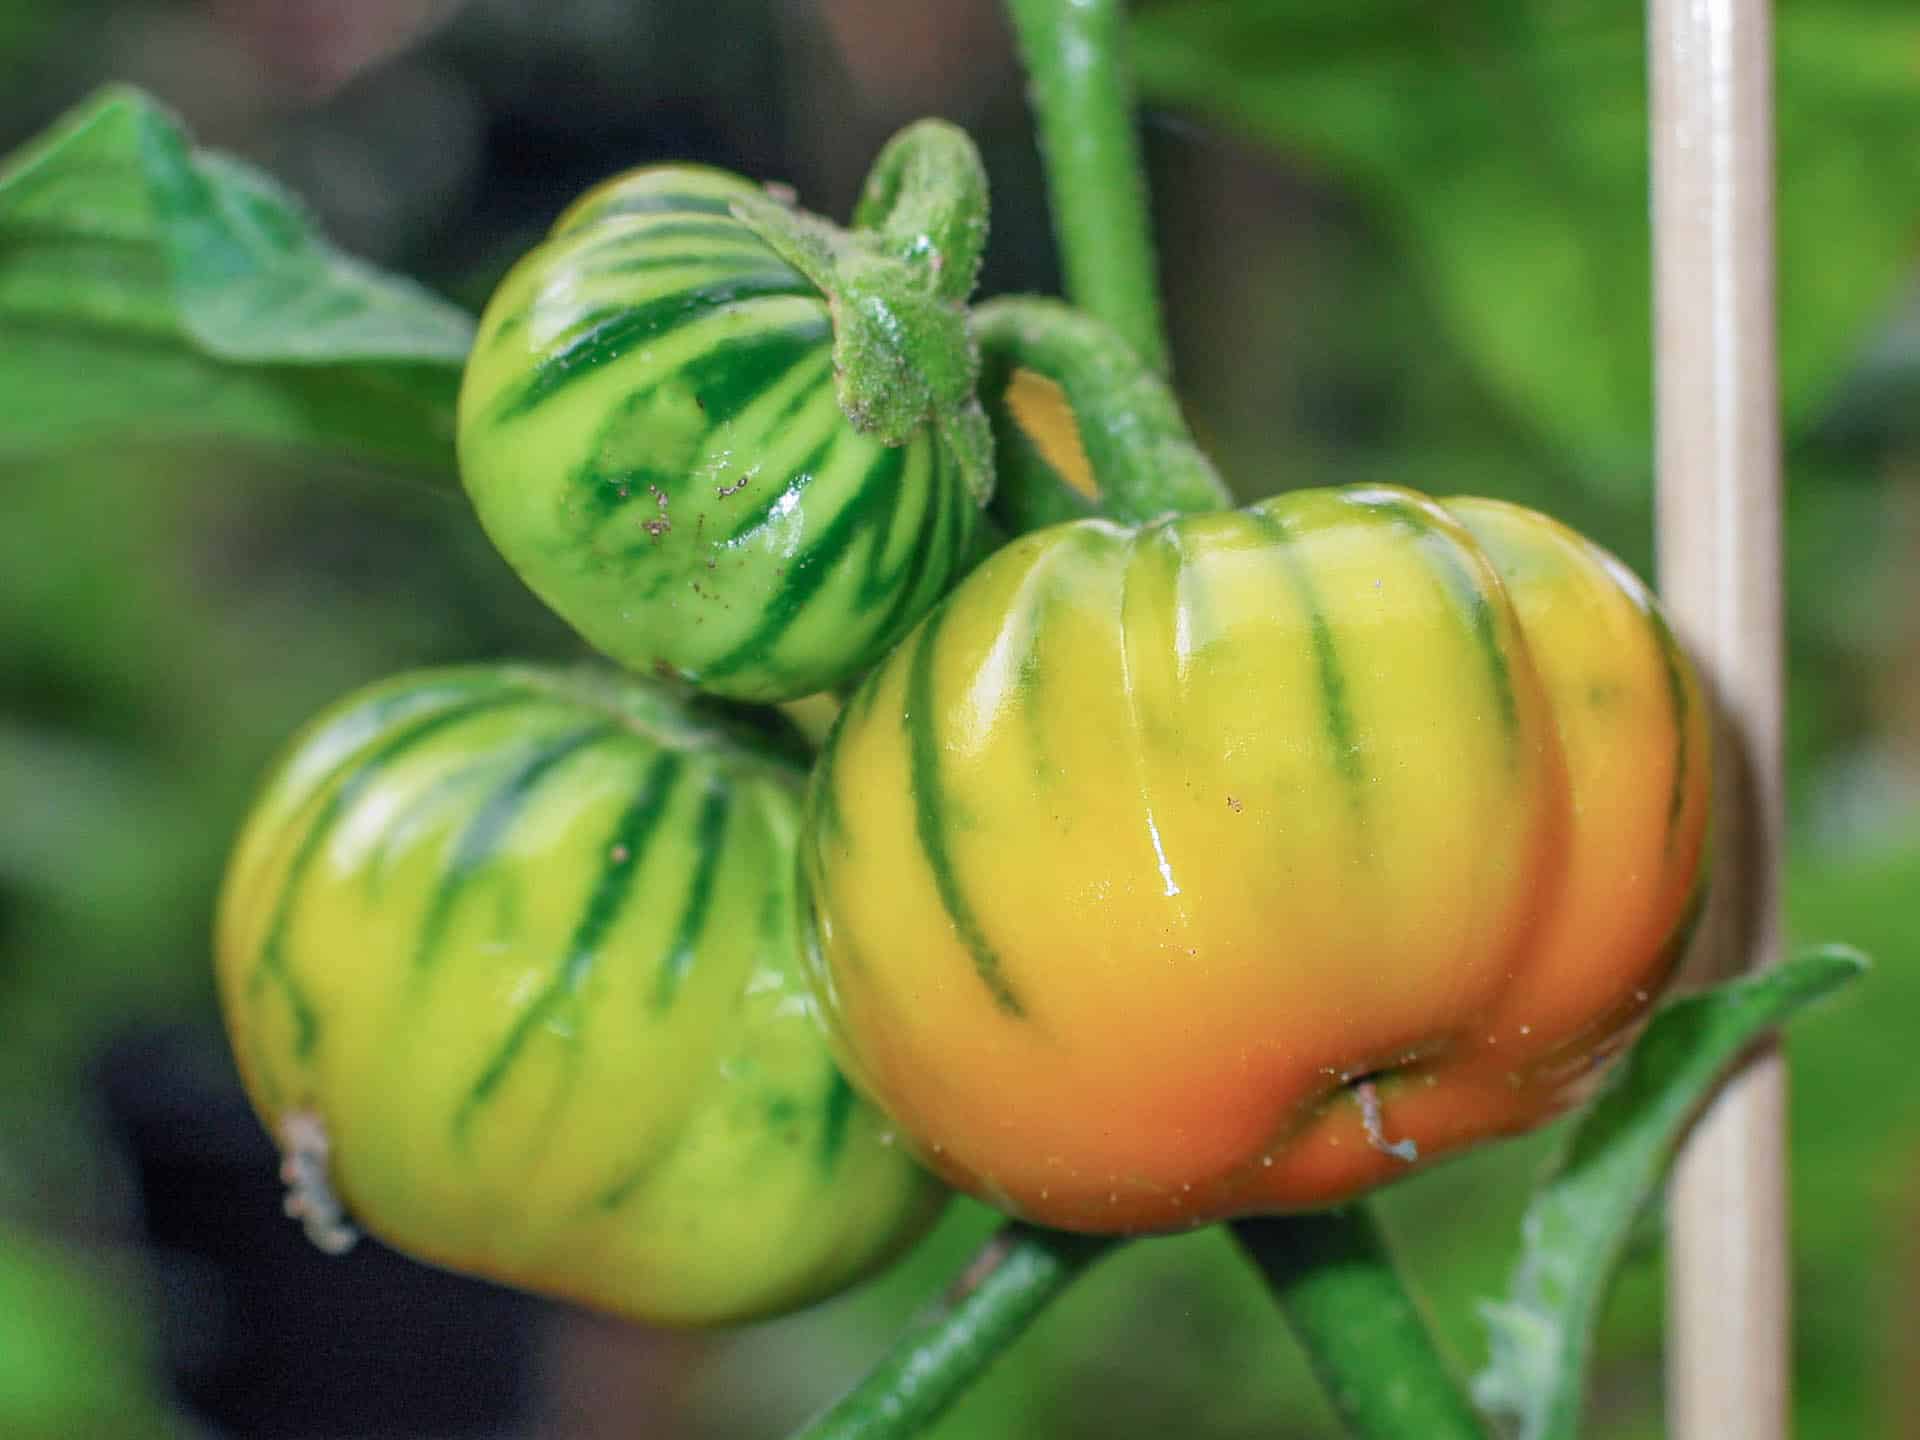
[(192, 294), (73, 1352), (1505, 146)]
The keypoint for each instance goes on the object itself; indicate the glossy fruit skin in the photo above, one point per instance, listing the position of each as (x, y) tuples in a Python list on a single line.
[(524, 943), (649, 431), (1151, 845)]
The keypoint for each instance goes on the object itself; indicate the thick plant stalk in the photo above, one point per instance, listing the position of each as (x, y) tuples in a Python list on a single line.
[(1073, 54), (1719, 495), (1366, 1341), (1001, 1293)]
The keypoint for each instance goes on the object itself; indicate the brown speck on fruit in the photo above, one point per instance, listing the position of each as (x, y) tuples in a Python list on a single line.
[(1234, 805), (657, 527), (620, 854), (723, 491)]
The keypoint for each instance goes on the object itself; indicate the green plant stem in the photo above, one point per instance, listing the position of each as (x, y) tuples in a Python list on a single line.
[(1002, 1291), (1084, 107), (1137, 443), (1368, 1344)]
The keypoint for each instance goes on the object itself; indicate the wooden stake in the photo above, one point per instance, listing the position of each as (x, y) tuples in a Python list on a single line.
[(1711, 66)]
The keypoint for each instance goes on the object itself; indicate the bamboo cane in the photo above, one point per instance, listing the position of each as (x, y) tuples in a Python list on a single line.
[(1719, 516)]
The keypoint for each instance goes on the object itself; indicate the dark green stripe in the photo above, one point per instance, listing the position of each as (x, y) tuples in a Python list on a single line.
[(624, 852), (810, 569), (650, 202), (1682, 935), (903, 595), (931, 819), (442, 792), (776, 915), (803, 476), (1677, 697), (365, 721), (1486, 633), (1441, 547), (660, 264), (815, 392), (618, 1193), (835, 1111), (902, 588), (808, 395), (884, 521), (612, 338), (1039, 607), (931, 524), (508, 327), (865, 696), (490, 823), (823, 794), (599, 262), (1189, 582), (635, 237), (724, 381), (731, 375), (709, 834), (352, 783), (1336, 712)]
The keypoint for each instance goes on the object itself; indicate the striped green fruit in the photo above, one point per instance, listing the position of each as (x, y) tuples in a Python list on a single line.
[(1263, 854), (649, 431), (508, 959)]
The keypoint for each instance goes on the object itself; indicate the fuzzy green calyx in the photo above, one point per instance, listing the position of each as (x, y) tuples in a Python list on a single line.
[(896, 286)]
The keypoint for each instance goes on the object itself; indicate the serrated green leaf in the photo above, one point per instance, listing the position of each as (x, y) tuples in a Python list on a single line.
[(152, 289), (1506, 147), (1582, 1217)]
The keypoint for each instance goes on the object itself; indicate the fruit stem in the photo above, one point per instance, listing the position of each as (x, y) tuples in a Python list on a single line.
[(1143, 460), (1001, 1292), (1083, 105), (1367, 1342)]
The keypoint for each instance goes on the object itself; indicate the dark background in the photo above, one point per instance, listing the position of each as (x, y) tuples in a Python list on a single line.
[(1400, 242)]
